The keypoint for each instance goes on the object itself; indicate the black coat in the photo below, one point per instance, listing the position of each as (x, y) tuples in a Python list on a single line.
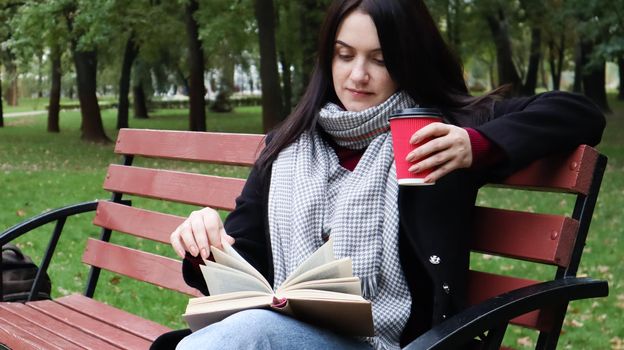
[(435, 221)]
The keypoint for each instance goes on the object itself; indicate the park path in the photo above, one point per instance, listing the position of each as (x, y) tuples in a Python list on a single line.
[(24, 114)]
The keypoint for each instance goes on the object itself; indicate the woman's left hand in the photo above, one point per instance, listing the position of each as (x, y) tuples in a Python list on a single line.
[(448, 149)]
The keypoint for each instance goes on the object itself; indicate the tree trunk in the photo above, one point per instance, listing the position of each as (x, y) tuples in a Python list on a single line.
[(55, 90), (140, 103), (222, 103), (227, 78), (556, 57), (86, 74), (507, 73), (11, 94), (621, 71), (308, 36), (130, 54), (1, 109), (271, 91), (197, 90), (40, 75), (578, 68), (183, 80), (528, 88), (594, 78), (543, 76), (286, 83)]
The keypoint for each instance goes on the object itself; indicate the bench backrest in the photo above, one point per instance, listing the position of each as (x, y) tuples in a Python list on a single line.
[(542, 239), (555, 240), (168, 185)]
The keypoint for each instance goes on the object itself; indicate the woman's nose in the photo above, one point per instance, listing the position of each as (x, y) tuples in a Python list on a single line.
[(359, 74)]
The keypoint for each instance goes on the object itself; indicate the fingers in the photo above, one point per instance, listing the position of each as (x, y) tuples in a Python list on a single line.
[(431, 135), (226, 237), (430, 131), (448, 150), (188, 237), (197, 239), (198, 232), (212, 225), (176, 242)]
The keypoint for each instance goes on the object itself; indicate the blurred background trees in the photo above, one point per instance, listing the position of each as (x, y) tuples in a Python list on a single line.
[(217, 53)]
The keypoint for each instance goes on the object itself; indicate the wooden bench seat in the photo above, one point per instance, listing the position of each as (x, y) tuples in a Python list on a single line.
[(80, 321), (76, 322)]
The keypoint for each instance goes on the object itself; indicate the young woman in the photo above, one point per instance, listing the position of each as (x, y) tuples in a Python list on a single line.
[(329, 170)]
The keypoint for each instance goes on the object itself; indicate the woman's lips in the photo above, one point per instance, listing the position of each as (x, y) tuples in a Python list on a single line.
[(359, 93)]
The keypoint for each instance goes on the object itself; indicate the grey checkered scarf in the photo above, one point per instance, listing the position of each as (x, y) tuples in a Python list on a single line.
[(312, 196)]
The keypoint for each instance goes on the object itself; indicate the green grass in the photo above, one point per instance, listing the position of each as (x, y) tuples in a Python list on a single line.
[(40, 171)]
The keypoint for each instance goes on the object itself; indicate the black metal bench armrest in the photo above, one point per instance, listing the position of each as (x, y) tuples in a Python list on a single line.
[(492, 313), (60, 216), (45, 218)]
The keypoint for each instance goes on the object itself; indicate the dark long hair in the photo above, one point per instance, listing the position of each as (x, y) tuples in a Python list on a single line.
[(417, 59)]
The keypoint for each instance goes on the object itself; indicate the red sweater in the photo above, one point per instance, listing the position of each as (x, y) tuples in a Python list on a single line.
[(484, 152)]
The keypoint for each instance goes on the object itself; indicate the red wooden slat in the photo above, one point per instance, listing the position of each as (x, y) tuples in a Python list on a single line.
[(223, 148), (204, 190), (110, 334), (37, 337), (59, 328), (138, 222), (16, 338), (121, 319), (159, 270), (535, 237), (496, 285), (567, 173)]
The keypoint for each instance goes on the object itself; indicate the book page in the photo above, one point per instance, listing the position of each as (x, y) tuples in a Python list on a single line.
[(229, 257), (321, 256), (200, 315), (224, 297), (315, 294), (349, 285), (222, 279), (240, 301), (352, 317), (334, 269)]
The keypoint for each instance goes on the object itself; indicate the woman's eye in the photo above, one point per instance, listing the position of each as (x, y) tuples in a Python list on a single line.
[(344, 57), (379, 61)]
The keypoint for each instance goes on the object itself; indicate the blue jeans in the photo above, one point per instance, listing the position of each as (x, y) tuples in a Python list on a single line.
[(264, 329)]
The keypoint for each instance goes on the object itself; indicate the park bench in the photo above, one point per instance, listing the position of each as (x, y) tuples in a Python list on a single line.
[(80, 321)]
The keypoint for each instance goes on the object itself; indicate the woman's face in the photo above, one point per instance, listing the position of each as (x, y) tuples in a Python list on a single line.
[(359, 74)]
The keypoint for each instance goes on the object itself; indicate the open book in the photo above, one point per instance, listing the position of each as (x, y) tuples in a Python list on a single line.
[(321, 291)]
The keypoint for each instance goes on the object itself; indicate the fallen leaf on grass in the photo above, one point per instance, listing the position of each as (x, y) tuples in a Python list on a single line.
[(603, 269), (617, 343), (21, 213), (115, 280), (525, 341)]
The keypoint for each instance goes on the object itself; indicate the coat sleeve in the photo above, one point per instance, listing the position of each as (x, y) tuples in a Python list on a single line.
[(246, 224), (530, 128)]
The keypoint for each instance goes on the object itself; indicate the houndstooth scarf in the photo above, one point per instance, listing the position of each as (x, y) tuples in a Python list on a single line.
[(311, 196)]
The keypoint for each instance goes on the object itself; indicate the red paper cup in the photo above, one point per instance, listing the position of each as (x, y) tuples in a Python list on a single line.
[(403, 124)]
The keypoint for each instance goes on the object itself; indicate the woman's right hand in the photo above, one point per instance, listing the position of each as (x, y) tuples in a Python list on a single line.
[(198, 232)]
